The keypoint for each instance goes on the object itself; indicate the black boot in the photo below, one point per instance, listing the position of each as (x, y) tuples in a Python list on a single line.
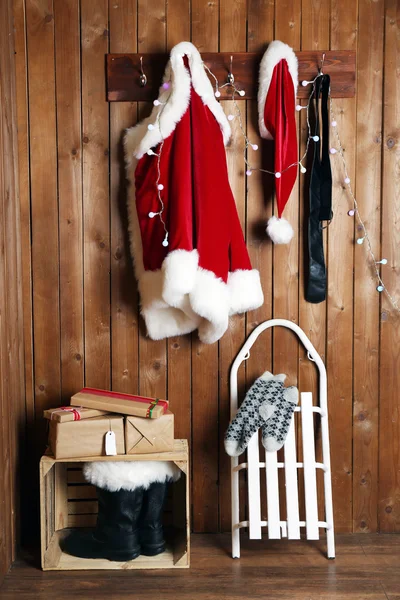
[(150, 524), (115, 536)]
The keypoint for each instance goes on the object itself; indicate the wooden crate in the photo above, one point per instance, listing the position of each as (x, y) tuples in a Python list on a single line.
[(66, 502)]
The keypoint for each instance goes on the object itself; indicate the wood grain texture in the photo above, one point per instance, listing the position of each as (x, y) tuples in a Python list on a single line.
[(152, 355), (44, 204), (259, 194), (366, 300), (69, 157), (232, 37), (124, 295), (285, 256), (96, 208), (123, 70), (12, 392), (24, 198), (52, 92), (205, 357), (180, 348), (312, 317), (389, 421), (340, 283), (363, 570)]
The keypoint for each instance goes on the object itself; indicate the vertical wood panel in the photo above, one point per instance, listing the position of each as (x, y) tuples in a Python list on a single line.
[(312, 317), (124, 296), (340, 282), (205, 357), (366, 299), (232, 38), (24, 197), (44, 208), (69, 146), (260, 193), (152, 355), (96, 209), (389, 429), (285, 256), (180, 348), (12, 397)]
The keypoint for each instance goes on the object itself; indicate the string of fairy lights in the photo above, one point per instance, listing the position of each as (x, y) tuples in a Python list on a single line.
[(336, 149)]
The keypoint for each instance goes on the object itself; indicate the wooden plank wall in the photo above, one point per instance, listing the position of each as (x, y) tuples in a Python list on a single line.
[(81, 306), (12, 392)]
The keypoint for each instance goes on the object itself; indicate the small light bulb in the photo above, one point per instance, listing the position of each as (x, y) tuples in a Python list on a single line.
[(156, 103), (165, 241), (360, 241), (304, 83), (333, 150), (152, 215), (347, 179), (166, 85), (380, 288), (334, 123), (254, 146), (242, 93), (230, 117), (315, 138), (217, 94), (278, 175), (248, 172), (303, 169), (382, 262), (150, 127), (150, 152), (160, 187), (351, 213), (298, 107)]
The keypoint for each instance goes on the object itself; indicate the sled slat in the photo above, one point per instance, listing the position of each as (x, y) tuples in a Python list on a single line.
[(310, 480), (292, 495), (253, 457), (271, 467)]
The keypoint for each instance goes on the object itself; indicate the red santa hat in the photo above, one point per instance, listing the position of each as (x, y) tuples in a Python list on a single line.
[(189, 253), (276, 113)]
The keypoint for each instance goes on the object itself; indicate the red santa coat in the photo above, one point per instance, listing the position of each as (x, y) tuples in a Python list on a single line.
[(204, 274)]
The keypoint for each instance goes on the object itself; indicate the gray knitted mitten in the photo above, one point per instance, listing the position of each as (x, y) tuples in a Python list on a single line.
[(256, 411), (277, 418)]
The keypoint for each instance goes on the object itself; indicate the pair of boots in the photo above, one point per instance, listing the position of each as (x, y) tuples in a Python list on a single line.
[(129, 523)]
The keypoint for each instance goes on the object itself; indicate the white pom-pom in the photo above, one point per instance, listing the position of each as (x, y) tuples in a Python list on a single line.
[(279, 230)]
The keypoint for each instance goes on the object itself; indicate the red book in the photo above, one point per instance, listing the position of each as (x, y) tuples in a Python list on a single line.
[(124, 404)]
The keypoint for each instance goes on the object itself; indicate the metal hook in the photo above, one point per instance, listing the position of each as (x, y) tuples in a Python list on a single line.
[(320, 69), (142, 78), (231, 77)]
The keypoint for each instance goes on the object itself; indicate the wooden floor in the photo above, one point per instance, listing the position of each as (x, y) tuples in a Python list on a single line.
[(366, 567)]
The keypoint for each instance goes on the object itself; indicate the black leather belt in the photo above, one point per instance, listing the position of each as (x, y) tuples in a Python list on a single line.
[(320, 195)]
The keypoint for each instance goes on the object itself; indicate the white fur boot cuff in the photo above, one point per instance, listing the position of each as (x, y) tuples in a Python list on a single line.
[(129, 475)]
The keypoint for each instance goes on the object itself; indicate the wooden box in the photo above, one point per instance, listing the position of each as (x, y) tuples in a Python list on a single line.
[(66, 501)]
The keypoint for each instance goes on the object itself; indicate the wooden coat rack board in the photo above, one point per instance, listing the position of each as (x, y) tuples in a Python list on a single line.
[(123, 73)]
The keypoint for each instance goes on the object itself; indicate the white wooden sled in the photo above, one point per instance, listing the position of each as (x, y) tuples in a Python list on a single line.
[(289, 527)]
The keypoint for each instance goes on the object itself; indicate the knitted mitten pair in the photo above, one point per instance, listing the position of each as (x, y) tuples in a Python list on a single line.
[(267, 404)]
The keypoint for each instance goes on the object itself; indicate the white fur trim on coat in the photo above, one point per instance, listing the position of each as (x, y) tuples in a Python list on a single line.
[(164, 118), (275, 52), (129, 475), (245, 291)]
